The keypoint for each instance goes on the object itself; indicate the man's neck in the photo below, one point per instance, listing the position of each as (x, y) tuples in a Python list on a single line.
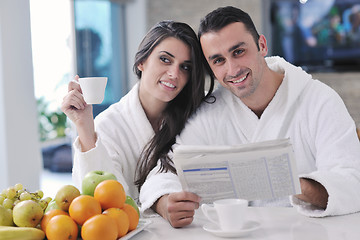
[(265, 92)]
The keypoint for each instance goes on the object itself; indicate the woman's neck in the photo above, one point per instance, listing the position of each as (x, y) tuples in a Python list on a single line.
[(153, 108)]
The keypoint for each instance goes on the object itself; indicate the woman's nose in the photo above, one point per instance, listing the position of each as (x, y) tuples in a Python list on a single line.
[(173, 72)]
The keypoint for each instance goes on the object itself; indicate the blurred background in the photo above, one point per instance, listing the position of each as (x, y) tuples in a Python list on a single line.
[(45, 43)]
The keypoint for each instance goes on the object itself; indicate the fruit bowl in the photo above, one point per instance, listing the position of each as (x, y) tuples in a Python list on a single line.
[(141, 225)]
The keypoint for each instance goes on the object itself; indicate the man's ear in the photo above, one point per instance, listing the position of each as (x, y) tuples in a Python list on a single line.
[(262, 45)]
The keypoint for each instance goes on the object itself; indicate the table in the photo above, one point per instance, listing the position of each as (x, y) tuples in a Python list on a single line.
[(276, 223)]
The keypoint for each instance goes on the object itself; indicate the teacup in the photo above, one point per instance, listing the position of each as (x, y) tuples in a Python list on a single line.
[(93, 89), (231, 213)]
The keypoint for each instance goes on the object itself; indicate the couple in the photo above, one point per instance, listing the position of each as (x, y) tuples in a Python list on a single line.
[(259, 99)]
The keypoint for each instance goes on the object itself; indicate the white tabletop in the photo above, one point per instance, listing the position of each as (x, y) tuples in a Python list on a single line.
[(275, 223)]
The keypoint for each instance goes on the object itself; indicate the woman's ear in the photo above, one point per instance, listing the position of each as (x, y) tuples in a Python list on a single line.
[(140, 67)]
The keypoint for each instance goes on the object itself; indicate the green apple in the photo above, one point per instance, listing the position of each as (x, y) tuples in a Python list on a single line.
[(27, 213), (65, 195), (131, 202), (6, 218), (52, 205), (92, 179)]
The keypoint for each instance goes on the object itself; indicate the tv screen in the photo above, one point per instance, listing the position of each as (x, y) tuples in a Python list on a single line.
[(319, 35)]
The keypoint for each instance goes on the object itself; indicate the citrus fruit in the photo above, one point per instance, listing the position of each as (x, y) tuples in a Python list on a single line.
[(129, 200), (98, 227), (133, 216), (61, 227), (50, 214), (83, 207), (110, 194), (121, 218)]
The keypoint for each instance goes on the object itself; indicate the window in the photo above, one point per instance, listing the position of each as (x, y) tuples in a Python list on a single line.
[(100, 46)]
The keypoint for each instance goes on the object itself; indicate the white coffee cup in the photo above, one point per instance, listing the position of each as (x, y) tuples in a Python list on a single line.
[(93, 89), (231, 213)]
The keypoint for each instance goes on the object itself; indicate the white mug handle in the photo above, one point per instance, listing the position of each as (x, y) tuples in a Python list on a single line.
[(206, 210)]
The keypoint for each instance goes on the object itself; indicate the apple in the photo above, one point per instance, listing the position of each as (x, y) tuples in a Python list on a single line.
[(6, 218), (27, 213), (132, 203), (92, 179), (52, 205), (65, 195)]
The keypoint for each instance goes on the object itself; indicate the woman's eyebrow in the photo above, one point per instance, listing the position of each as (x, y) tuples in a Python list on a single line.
[(167, 53), (171, 55)]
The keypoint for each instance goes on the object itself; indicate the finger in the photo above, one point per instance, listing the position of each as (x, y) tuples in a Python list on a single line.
[(183, 214), (74, 85), (184, 196), (182, 206), (74, 99), (69, 104), (181, 222)]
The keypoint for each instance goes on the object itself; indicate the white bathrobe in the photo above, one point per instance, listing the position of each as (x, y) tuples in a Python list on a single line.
[(308, 112), (122, 132)]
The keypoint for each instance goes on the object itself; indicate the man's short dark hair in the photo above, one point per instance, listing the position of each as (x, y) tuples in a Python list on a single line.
[(223, 16)]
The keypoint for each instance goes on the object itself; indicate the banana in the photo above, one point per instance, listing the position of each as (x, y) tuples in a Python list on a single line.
[(21, 233)]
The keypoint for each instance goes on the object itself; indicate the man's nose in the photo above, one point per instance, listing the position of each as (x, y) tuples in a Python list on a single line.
[(233, 68)]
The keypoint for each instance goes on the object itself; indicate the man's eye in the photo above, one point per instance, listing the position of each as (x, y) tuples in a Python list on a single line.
[(164, 59), (238, 51)]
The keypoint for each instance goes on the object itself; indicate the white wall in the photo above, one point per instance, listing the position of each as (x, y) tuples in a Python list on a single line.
[(136, 29), (20, 158)]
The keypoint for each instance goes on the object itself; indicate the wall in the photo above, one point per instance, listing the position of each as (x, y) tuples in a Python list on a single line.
[(191, 11), (135, 31), (347, 85), (20, 159)]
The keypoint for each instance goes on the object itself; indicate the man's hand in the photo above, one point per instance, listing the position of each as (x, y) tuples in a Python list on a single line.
[(313, 192), (178, 208)]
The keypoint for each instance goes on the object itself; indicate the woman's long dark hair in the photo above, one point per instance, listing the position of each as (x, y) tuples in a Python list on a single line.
[(178, 110)]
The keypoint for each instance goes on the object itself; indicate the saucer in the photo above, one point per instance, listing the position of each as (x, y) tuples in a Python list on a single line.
[(249, 227)]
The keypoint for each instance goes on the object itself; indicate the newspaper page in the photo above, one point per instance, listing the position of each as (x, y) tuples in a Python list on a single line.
[(256, 171)]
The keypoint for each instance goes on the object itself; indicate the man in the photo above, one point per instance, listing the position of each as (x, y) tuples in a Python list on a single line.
[(264, 99)]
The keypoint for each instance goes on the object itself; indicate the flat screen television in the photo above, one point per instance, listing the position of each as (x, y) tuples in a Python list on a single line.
[(319, 35)]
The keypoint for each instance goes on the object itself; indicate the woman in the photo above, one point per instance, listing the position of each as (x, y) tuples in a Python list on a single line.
[(170, 66)]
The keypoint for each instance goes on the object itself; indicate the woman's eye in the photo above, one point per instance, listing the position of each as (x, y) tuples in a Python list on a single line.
[(217, 60), (186, 67), (164, 59)]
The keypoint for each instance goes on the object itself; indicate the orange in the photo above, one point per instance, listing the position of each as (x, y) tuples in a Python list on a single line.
[(83, 207), (48, 215), (61, 227), (98, 227), (121, 218), (133, 216), (110, 194)]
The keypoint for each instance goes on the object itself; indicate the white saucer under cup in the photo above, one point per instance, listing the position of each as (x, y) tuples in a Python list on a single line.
[(231, 213), (93, 89)]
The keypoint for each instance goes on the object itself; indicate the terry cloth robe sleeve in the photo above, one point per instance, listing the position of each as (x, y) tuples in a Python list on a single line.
[(156, 185), (122, 132), (336, 151)]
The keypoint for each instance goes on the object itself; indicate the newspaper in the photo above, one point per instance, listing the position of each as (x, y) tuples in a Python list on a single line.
[(256, 171)]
